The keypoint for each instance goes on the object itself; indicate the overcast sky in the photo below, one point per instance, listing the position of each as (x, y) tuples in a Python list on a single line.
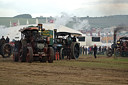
[(82, 8)]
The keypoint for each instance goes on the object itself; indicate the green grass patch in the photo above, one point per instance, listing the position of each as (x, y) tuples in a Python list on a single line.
[(106, 63)]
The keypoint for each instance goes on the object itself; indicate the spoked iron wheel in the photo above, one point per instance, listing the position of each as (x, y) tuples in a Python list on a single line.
[(75, 50), (109, 53), (6, 50)]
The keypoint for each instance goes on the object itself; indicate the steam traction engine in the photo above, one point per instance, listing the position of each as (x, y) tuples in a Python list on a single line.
[(66, 45), (122, 47), (119, 47), (35, 44)]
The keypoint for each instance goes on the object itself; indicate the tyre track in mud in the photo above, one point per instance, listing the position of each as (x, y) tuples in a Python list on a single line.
[(37, 73)]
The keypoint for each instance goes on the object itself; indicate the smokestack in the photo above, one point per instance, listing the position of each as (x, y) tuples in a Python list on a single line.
[(114, 37), (55, 31), (118, 29)]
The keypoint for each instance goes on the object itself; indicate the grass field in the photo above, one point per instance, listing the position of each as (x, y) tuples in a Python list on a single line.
[(85, 71)]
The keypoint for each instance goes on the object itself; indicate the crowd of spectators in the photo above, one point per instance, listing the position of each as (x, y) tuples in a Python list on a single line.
[(101, 50)]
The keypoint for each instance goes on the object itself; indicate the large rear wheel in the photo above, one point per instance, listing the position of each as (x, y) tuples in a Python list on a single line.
[(6, 50), (75, 50)]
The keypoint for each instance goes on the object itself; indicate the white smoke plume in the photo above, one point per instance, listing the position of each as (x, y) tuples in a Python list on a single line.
[(11, 32), (63, 20), (77, 23), (3, 31), (81, 25)]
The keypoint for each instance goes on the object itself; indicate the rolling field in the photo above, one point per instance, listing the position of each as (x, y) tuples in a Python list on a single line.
[(84, 71)]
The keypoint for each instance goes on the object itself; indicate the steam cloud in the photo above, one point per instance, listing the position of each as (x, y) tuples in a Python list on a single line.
[(63, 20), (77, 23), (3, 31), (81, 25)]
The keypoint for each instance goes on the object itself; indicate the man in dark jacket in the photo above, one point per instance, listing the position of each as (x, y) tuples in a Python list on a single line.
[(2, 40), (95, 51), (7, 40)]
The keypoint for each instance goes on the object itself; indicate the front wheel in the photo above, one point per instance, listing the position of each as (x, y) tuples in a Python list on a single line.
[(23, 54), (29, 57), (15, 57), (62, 53), (51, 55), (109, 52)]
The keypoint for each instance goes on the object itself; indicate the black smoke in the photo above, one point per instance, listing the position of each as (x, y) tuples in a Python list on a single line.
[(121, 28)]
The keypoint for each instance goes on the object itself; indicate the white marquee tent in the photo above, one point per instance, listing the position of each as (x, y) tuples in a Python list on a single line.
[(13, 32)]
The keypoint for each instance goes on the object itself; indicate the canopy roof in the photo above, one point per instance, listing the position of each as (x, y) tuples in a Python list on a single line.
[(61, 28), (13, 32), (124, 38), (28, 28)]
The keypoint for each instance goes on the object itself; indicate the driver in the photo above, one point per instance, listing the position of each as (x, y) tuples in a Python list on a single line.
[(69, 39)]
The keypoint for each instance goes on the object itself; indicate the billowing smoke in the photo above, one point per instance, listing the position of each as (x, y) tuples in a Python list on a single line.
[(81, 25), (121, 28), (3, 31), (63, 20), (11, 32), (75, 22)]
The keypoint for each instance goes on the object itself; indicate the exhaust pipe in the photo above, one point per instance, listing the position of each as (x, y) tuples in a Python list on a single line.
[(114, 37)]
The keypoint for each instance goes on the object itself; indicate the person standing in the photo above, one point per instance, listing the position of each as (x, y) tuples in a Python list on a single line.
[(95, 51), (7, 40), (2, 40), (100, 49), (85, 50)]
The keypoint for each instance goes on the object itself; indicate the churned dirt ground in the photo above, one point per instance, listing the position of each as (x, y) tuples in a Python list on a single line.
[(84, 71)]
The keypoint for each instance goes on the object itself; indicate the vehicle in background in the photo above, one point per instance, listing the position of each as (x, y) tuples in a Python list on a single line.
[(66, 44)]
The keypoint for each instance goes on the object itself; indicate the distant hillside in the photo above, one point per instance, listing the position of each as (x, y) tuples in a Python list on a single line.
[(23, 21), (108, 21), (23, 16), (95, 22), (104, 22)]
